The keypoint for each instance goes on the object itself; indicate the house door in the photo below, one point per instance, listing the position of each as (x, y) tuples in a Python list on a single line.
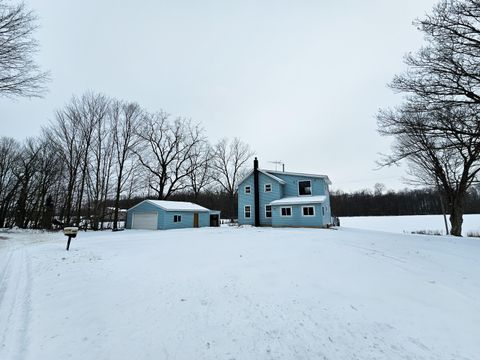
[(195, 220)]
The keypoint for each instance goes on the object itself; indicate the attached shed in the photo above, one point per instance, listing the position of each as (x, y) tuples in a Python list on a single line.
[(163, 215)]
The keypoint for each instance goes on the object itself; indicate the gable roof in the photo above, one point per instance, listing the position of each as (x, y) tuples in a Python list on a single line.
[(296, 200), (301, 174), (264, 172), (174, 205)]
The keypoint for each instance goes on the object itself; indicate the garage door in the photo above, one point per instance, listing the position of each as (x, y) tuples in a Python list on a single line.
[(144, 221)]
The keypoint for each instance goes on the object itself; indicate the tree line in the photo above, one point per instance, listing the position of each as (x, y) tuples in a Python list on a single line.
[(99, 151), (391, 203)]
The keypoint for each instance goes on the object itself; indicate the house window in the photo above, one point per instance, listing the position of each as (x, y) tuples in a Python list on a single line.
[(305, 187), (286, 211), (268, 211), (177, 218), (247, 211), (308, 211), (323, 210), (247, 189), (268, 187)]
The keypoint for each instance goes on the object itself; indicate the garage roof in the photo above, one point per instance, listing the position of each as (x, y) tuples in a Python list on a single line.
[(174, 205)]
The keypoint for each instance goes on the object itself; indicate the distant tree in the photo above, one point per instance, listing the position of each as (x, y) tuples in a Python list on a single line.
[(230, 161), (201, 176), (19, 74), (166, 151), (437, 127), (379, 189)]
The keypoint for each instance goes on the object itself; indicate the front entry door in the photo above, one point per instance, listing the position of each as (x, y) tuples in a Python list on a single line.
[(195, 220)]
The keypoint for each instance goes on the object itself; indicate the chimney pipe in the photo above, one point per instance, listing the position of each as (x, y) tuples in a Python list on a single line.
[(256, 192)]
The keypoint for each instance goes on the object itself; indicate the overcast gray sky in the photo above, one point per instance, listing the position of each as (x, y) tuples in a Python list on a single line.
[(300, 81)]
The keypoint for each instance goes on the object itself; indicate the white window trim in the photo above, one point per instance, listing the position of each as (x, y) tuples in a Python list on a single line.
[(298, 187), (179, 217), (245, 211), (271, 212), (265, 187), (286, 207), (308, 206), (249, 189)]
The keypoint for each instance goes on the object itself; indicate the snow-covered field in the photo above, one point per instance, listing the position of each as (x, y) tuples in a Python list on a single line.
[(239, 293), (409, 223)]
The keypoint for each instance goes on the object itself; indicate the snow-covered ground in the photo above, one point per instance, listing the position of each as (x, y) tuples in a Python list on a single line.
[(239, 293), (409, 223)]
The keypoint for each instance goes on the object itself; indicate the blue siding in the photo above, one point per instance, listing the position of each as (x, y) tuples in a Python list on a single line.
[(145, 207), (291, 184), (187, 219), (265, 198), (297, 218), (246, 199), (289, 189), (165, 218)]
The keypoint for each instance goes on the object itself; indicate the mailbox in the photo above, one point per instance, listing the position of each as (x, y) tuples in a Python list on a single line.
[(71, 232)]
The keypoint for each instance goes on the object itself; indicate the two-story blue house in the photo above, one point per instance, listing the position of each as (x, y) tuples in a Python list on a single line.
[(279, 198)]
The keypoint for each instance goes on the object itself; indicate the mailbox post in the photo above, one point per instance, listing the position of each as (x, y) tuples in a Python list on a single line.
[(71, 232)]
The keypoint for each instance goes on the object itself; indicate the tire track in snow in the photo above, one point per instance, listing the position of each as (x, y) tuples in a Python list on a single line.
[(14, 304)]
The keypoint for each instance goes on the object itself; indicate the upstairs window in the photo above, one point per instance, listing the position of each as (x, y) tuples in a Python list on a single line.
[(177, 218), (286, 211), (308, 211), (248, 189), (247, 211), (304, 187), (268, 187), (268, 211)]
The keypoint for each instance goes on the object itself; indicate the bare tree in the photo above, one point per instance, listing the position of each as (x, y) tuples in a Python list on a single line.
[(19, 74), (125, 119), (100, 169), (437, 129), (91, 109), (446, 69), (229, 165), (440, 153), (201, 175), (64, 134), (167, 148), (9, 156)]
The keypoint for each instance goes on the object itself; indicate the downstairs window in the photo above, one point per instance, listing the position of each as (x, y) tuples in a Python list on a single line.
[(286, 211), (308, 211)]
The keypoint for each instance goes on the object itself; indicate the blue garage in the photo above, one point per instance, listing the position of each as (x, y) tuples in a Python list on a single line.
[(163, 215)]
